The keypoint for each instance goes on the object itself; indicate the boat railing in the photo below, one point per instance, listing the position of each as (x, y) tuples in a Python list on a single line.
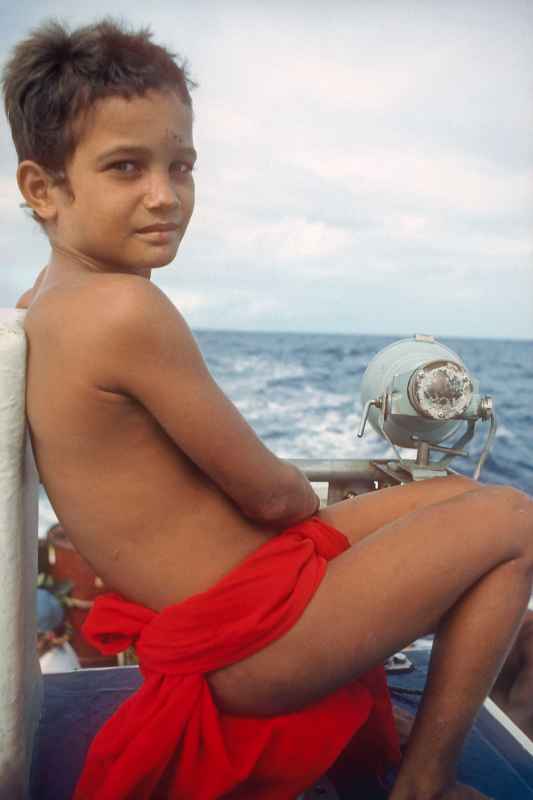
[(346, 477)]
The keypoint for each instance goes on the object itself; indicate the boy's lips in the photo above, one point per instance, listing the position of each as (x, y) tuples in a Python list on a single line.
[(160, 228)]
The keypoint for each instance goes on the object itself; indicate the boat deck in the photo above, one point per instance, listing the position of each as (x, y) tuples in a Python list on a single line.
[(496, 760)]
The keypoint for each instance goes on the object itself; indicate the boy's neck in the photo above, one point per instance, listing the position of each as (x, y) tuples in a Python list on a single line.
[(65, 262)]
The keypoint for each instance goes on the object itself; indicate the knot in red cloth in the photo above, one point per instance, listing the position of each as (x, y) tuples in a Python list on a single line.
[(169, 740), (241, 614)]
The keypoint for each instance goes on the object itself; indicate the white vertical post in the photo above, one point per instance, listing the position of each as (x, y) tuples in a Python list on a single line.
[(20, 678)]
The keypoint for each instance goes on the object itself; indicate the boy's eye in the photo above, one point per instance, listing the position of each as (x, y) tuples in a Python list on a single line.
[(181, 167), (131, 168), (125, 167)]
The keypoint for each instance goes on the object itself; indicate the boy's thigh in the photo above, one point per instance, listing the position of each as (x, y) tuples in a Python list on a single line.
[(376, 597), (367, 513)]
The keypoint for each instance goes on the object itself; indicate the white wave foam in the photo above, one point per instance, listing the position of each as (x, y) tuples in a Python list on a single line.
[(504, 432)]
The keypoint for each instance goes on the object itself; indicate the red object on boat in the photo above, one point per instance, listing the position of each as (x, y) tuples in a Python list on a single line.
[(169, 739)]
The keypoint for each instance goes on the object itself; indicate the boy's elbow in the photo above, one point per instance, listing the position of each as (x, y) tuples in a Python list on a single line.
[(289, 501), (270, 510)]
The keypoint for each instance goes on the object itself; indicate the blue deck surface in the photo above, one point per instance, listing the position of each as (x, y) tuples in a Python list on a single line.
[(492, 760), (77, 704)]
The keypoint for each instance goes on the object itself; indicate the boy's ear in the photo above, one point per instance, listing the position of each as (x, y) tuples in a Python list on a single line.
[(36, 185)]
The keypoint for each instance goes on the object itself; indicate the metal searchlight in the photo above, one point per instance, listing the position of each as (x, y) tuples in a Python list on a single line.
[(417, 393)]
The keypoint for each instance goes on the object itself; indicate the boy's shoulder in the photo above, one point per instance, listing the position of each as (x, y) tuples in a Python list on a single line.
[(105, 300), (133, 305), (112, 327), (107, 317), (121, 298)]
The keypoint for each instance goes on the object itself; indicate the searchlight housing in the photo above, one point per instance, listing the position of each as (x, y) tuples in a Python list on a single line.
[(417, 393)]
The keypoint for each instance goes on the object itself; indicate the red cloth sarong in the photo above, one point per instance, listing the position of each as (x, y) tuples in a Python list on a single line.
[(169, 741)]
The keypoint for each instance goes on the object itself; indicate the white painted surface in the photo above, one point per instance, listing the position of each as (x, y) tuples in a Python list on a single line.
[(20, 677), (60, 659), (517, 734)]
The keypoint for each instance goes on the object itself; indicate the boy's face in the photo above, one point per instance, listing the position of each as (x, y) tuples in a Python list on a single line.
[(131, 188)]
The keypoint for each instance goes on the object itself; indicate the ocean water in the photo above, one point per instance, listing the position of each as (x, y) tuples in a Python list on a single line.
[(300, 393)]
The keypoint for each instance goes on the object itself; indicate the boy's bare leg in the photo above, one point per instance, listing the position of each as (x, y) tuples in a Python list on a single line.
[(460, 677), (367, 513), (461, 567), (400, 501)]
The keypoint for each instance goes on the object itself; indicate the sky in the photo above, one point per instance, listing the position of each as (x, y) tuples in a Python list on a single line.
[(365, 166)]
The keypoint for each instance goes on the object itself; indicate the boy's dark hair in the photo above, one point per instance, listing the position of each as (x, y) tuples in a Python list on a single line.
[(54, 75)]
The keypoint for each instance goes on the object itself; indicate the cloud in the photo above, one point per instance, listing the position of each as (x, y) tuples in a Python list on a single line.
[(291, 239), (221, 306), (10, 198), (438, 180), (355, 167), (188, 302)]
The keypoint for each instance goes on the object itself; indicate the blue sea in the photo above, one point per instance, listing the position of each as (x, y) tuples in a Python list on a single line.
[(300, 393)]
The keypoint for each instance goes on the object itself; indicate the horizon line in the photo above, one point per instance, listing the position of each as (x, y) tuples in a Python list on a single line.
[(207, 329)]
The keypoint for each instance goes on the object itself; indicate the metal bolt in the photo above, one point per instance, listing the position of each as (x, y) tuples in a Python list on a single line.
[(486, 407)]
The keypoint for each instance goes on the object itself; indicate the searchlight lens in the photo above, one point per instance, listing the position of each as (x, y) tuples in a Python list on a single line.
[(440, 390)]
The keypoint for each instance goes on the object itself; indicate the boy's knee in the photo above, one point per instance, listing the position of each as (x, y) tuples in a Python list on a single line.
[(517, 507), (505, 497), (508, 511), (514, 499)]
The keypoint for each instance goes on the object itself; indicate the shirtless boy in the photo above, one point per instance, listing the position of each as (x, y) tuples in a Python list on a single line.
[(159, 481)]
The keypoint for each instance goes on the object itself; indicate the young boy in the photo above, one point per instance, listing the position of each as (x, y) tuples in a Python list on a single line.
[(255, 650)]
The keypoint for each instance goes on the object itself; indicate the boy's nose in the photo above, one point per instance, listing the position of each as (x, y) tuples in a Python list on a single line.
[(161, 193)]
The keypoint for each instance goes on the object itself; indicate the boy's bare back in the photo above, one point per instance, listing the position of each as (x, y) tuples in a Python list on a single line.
[(115, 383)]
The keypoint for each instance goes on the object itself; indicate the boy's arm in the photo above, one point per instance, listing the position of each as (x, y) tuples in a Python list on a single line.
[(149, 353), (25, 299)]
